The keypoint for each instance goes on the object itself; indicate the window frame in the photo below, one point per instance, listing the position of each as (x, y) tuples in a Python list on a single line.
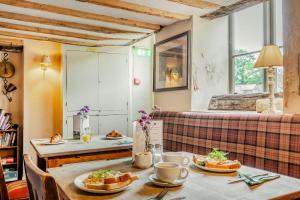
[(269, 37)]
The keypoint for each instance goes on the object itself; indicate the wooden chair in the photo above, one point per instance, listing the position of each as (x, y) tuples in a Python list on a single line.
[(16, 190), (41, 185)]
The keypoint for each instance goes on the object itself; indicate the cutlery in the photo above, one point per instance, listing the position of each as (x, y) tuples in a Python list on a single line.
[(161, 195), (241, 179), (255, 181), (178, 198)]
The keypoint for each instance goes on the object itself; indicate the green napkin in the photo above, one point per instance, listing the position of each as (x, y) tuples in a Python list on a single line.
[(258, 180)]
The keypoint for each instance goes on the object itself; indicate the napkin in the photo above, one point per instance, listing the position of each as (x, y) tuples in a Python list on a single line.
[(258, 180)]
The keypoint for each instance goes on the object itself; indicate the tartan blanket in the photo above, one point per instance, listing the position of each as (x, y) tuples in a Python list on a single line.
[(269, 142)]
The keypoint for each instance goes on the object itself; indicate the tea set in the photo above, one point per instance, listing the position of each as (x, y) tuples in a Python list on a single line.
[(170, 170)]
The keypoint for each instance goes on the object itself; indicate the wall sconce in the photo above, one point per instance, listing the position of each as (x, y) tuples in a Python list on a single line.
[(46, 62)]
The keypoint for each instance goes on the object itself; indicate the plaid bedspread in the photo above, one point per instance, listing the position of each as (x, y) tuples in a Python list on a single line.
[(270, 142)]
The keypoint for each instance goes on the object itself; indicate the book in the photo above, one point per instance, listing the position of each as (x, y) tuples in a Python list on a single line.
[(6, 120), (8, 160), (2, 117)]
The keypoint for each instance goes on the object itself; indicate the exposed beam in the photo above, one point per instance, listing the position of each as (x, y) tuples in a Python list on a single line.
[(137, 8), (198, 3), (223, 11), (53, 22), (78, 13), (11, 42), (34, 37), (53, 32)]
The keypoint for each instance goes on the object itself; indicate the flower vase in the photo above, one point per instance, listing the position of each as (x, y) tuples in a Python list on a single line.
[(147, 141)]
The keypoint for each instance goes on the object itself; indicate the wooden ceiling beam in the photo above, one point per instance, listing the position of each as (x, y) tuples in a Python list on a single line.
[(54, 32), (223, 11), (80, 14), (198, 4), (53, 22), (11, 42), (137, 8), (34, 37)]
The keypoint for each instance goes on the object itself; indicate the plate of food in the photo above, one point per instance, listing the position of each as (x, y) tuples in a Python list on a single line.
[(216, 161), (55, 140), (104, 181), (114, 135)]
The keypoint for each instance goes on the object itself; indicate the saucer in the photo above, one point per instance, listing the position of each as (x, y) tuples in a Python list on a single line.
[(158, 182)]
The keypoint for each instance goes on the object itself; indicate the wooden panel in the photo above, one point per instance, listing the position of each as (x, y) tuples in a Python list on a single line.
[(82, 80), (113, 71), (33, 37), (54, 32), (59, 161), (223, 11), (81, 14), (54, 22), (137, 8), (197, 3)]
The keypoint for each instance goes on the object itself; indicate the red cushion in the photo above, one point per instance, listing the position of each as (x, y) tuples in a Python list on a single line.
[(18, 190)]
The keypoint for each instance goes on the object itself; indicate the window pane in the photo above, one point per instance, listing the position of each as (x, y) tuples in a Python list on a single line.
[(248, 29), (279, 23), (247, 78), (279, 80)]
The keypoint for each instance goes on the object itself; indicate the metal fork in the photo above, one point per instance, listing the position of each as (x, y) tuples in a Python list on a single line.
[(160, 195)]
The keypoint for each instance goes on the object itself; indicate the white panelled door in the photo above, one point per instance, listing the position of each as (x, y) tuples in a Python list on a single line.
[(82, 80), (114, 83), (107, 123)]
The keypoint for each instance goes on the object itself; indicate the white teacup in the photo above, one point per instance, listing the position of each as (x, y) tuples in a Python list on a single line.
[(170, 172), (143, 160), (176, 157)]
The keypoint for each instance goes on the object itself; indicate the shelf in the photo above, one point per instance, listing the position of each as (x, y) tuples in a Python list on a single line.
[(8, 130), (8, 164), (11, 179), (8, 147)]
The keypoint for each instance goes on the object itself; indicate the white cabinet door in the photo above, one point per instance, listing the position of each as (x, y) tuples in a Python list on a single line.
[(114, 83), (108, 123), (82, 80), (94, 126)]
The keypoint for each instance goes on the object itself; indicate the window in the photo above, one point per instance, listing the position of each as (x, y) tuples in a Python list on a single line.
[(279, 41), (250, 30)]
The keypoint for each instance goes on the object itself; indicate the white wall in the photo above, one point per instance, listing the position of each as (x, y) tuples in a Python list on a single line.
[(142, 95), (209, 64), (179, 100), (209, 61)]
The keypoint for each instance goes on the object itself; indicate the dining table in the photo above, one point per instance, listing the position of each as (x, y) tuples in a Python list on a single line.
[(200, 184), (75, 151)]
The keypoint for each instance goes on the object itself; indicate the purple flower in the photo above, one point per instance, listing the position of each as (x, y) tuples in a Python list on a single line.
[(84, 110), (142, 112)]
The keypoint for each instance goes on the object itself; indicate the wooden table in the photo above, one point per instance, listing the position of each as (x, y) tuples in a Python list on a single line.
[(199, 185), (74, 151)]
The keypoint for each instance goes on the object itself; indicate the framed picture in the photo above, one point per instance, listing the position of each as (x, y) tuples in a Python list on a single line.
[(171, 63)]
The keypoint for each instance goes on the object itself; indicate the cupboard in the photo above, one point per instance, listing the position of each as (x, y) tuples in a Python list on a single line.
[(99, 80)]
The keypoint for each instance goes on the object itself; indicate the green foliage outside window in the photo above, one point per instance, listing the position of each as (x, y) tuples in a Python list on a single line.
[(245, 73)]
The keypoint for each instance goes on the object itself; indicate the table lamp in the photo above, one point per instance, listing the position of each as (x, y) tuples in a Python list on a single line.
[(270, 57)]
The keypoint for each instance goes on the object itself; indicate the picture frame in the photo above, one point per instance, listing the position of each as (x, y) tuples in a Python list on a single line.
[(172, 63)]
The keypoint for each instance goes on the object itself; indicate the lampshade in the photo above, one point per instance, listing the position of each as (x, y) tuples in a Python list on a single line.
[(270, 56), (46, 61)]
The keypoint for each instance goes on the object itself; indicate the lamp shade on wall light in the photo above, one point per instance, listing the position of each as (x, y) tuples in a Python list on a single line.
[(46, 62)]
